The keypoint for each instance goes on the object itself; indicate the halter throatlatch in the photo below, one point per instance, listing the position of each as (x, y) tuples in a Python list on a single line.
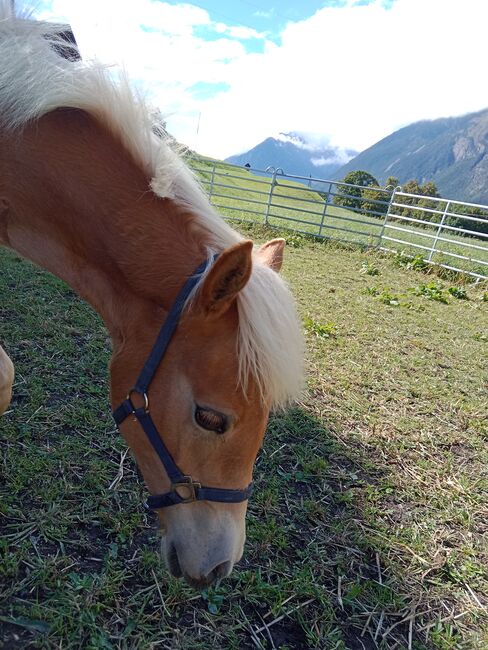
[(183, 488)]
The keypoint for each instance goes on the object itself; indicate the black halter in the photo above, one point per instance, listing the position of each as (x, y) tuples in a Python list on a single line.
[(193, 491)]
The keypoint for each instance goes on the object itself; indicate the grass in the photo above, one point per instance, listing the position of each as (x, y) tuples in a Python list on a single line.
[(237, 192), (369, 522)]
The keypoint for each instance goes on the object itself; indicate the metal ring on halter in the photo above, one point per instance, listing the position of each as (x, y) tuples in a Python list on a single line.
[(189, 486), (143, 395)]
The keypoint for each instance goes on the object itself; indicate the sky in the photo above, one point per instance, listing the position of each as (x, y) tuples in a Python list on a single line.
[(228, 74)]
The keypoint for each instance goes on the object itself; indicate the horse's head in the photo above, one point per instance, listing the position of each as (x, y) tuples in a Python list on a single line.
[(90, 193), (208, 404)]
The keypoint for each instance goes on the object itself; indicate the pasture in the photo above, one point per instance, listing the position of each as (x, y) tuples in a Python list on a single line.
[(241, 194), (368, 525)]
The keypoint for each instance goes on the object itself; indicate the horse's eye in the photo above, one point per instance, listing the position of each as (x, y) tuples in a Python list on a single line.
[(210, 420)]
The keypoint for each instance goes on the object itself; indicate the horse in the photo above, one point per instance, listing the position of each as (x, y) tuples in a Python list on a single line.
[(91, 192)]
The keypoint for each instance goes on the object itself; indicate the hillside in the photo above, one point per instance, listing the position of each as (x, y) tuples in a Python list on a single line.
[(295, 155), (452, 152)]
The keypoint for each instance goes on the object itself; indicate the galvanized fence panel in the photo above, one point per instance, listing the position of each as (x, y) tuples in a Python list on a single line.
[(444, 232)]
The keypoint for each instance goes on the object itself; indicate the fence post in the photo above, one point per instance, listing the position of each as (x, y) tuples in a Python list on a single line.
[(270, 197), (438, 233), (388, 212), (212, 179), (326, 203)]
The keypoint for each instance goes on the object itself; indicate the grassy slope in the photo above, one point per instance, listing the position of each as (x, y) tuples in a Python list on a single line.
[(366, 529), (236, 189)]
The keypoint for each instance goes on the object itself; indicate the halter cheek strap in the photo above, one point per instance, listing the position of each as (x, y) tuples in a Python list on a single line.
[(183, 488)]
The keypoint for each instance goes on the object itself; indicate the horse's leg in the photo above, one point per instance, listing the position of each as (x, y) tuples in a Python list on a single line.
[(6, 380)]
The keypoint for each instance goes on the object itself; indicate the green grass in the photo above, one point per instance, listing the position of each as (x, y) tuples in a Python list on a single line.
[(236, 190), (369, 521)]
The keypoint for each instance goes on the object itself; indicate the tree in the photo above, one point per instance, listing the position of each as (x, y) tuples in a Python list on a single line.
[(410, 187), (376, 200), (351, 194), (469, 211), (428, 189)]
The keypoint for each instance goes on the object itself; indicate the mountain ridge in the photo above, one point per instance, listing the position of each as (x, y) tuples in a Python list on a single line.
[(295, 154), (451, 151)]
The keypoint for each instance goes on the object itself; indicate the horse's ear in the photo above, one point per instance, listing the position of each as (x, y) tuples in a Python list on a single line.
[(271, 254), (228, 275)]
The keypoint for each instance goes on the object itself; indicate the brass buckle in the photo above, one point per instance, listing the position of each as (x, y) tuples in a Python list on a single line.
[(143, 395), (189, 486)]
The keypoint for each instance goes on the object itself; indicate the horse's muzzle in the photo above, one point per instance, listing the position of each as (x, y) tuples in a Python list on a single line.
[(199, 572)]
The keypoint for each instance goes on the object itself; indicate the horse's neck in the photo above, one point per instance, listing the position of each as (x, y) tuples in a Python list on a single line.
[(75, 203)]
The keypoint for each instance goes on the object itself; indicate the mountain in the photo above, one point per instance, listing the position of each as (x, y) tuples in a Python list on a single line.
[(296, 154), (452, 152)]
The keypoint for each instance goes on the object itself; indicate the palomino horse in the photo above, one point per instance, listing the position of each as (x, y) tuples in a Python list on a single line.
[(88, 192)]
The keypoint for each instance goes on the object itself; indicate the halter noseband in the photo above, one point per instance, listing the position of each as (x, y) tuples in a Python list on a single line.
[(192, 490)]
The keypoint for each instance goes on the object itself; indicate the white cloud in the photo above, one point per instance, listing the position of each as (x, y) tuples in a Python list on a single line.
[(315, 143), (239, 32), (264, 14), (356, 74), (353, 73), (340, 158)]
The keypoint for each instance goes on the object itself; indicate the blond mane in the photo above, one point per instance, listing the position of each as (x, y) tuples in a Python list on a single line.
[(35, 80)]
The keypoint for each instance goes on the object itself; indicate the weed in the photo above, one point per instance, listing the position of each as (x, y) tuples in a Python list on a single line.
[(432, 291), (320, 330), (411, 262), (296, 240), (368, 268), (480, 336), (372, 291), (213, 598), (385, 296), (458, 292), (388, 298)]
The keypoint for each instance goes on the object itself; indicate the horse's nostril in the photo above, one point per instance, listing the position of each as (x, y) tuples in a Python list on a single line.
[(221, 571), (216, 574)]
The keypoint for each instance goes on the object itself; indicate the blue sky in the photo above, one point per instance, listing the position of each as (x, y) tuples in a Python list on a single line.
[(268, 16), (349, 72)]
